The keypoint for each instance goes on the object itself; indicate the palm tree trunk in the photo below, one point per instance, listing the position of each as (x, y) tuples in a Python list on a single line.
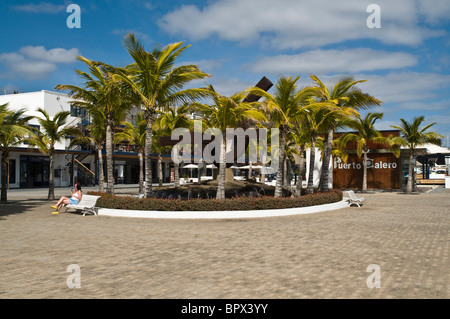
[(200, 171), (325, 174), (285, 173), (281, 155), (312, 159), (176, 177), (148, 159), (262, 176), (51, 179), (409, 184), (160, 172), (101, 176), (109, 159), (300, 171), (4, 163), (141, 172), (221, 185), (364, 185)]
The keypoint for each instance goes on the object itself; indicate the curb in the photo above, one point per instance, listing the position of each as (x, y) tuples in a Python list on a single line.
[(222, 214)]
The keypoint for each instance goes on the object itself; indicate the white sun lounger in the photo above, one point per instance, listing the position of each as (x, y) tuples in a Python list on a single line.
[(354, 199), (86, 204)]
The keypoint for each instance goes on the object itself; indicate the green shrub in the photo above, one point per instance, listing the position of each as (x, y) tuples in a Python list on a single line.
[(237, 203)]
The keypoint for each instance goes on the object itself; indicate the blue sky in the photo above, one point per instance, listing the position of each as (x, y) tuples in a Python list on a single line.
[(406, 61)]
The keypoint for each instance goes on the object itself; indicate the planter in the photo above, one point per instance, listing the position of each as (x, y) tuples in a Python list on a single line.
[(222, 214)]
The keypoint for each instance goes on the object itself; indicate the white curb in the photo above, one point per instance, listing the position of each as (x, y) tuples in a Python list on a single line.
[(221, 214)]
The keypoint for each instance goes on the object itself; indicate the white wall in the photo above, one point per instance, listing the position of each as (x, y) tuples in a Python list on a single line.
[(51, 102), (318, 168)]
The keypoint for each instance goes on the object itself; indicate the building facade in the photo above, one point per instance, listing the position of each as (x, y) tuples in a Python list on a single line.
[(29, 168)]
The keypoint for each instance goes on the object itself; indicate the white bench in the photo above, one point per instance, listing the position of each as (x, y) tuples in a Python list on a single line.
[(86, 204), (354, 199)]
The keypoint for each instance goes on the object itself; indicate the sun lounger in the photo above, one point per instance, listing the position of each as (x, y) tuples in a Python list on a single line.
[(354, 199), (86, 204)]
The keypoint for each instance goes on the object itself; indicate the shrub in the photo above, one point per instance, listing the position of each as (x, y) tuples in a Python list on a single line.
[(199, 204)]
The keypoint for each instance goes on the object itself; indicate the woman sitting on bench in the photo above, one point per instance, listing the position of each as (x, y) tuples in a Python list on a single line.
[(74, 200)]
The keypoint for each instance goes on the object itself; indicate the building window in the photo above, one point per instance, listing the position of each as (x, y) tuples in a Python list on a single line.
[(73, 110)]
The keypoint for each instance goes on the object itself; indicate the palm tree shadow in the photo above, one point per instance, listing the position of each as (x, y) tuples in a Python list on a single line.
[(15, 207)]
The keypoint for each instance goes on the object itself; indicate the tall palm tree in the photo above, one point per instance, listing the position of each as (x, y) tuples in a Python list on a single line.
[(95, 139), (134, 134), (158, 84), (366, 133), (226, 112), (346, 96), (283, 106), (104, 99), (13, 127), (411, 136), (301, 138), (52, 131), (159, 149), (165, 124), (313, 120)]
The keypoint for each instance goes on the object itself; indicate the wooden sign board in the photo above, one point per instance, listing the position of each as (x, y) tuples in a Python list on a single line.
[(383, 172)]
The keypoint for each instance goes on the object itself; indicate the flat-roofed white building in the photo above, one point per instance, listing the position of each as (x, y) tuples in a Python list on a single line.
[(30, 168), (27, 166)]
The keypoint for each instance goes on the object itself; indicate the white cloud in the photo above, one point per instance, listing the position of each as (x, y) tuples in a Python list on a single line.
[(287, 24), (43, 7), (57, 55), (36, 62), (334, 61), (402, 88), (405, 87), (434, 12)]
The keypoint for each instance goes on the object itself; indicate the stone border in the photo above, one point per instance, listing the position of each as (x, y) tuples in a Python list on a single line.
[(222, 214)]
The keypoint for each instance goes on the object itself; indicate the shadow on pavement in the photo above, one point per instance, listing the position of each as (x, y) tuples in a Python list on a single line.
[(14, 207)]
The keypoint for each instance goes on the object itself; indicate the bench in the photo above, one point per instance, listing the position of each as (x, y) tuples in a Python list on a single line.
[(86, 204), (354, 199)]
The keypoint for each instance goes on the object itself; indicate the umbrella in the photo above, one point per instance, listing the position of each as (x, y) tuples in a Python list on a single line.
[(191, 166)]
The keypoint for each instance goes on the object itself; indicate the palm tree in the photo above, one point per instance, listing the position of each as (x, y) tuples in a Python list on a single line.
[(313, 120), (52, 131), (226, 112), (158, 84), (13, 127), (283, 106), (104, 99), (366, 133), (95, 139), (301, 139), (166, 123), (411, 136), (134, 134), (347, 97)]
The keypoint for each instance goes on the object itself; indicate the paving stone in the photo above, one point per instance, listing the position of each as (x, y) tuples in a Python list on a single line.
[(323, 255)]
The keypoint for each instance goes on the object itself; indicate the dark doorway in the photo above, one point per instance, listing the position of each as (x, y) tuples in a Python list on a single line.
[(34, 171)]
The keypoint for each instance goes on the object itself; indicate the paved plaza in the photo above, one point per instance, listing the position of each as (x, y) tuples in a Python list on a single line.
[(322, 255)]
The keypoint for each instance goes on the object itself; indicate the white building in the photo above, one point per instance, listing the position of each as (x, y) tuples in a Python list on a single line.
[(29, 167)]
